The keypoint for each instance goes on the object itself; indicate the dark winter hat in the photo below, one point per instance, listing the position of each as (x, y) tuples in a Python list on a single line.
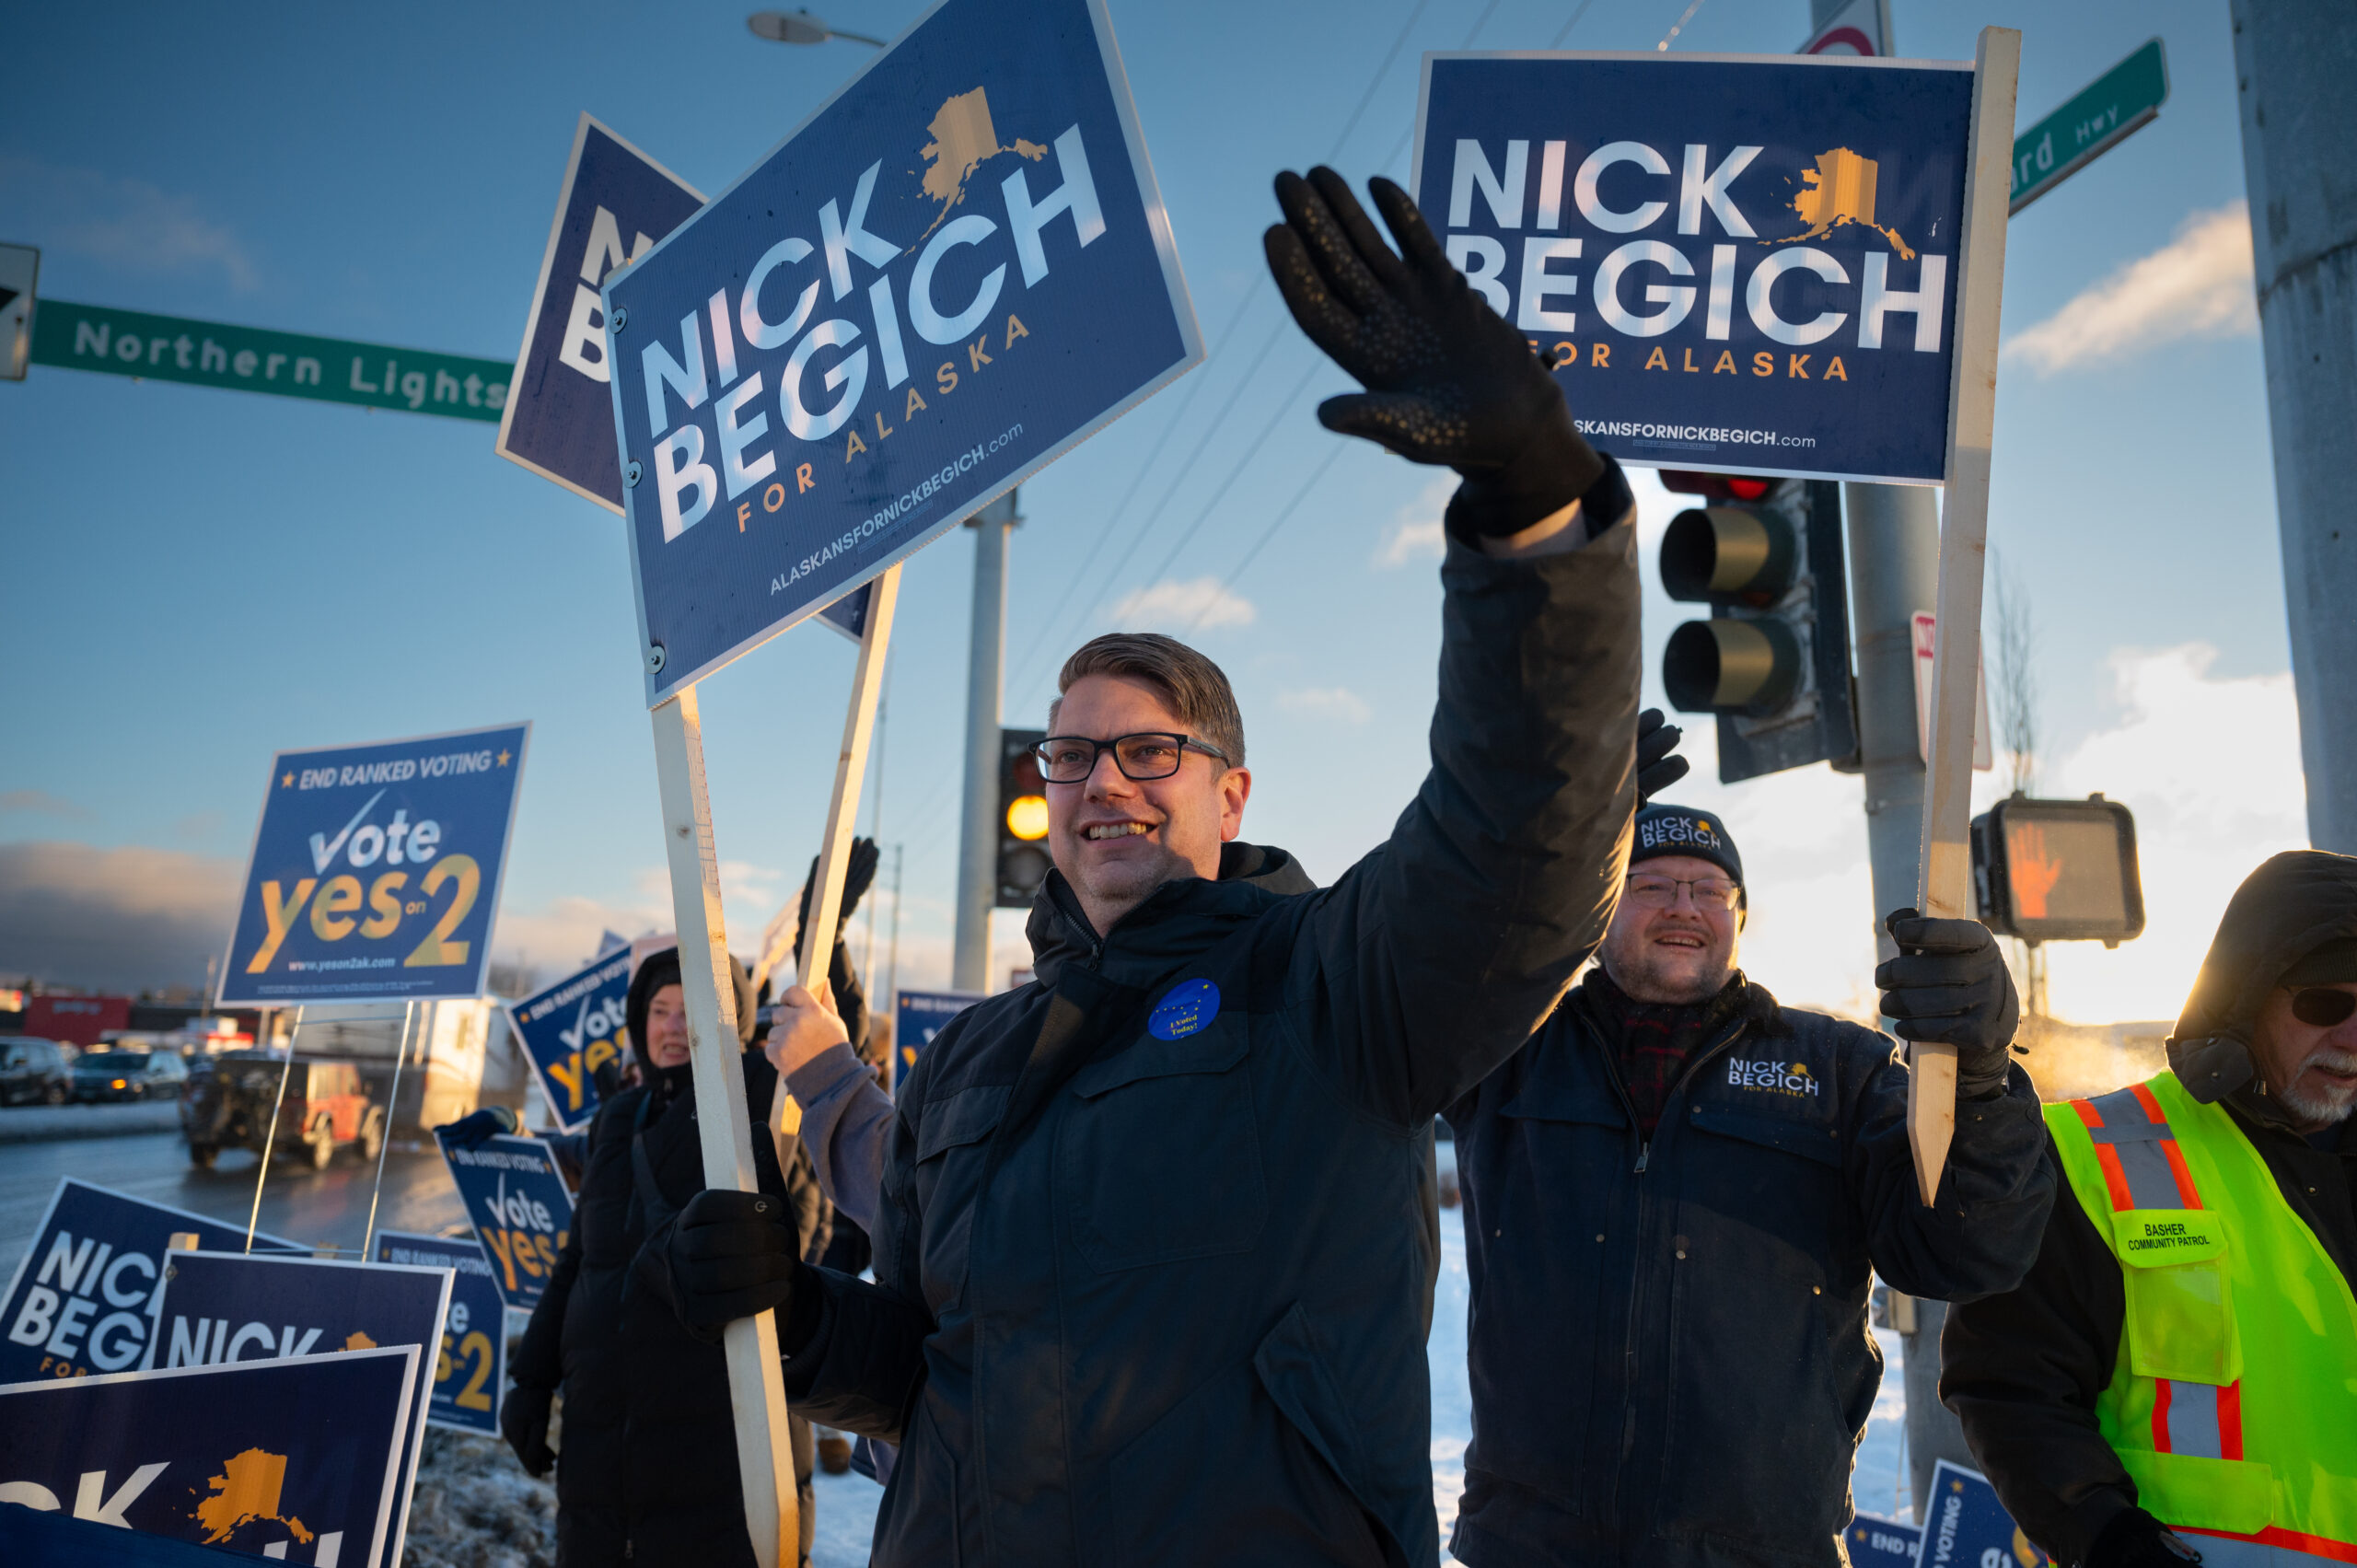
[(2296, 915), (661, 968), (1674, 829)]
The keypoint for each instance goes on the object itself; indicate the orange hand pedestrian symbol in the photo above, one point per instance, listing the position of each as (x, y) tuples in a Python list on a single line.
[(2030, 870)]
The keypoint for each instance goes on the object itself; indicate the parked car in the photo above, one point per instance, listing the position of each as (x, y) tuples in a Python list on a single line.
[(128, 1074), (226, 1102), (36, 1072)]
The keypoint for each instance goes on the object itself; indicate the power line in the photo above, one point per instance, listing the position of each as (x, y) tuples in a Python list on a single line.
[(1332, 454), (1678, 27)]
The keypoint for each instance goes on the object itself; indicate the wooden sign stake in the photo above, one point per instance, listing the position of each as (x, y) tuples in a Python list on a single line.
[(1946, 889), (756, 1381)]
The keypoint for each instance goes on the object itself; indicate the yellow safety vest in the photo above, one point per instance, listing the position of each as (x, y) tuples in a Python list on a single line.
[(2233, 1405)]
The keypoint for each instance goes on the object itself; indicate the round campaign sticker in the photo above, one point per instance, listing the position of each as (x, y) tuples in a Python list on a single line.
[(1187, 1007)]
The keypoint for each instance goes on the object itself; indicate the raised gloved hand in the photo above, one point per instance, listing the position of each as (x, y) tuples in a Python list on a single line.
[(524, 1421), (2135, 1540), (731, 1255), (474, 1131), (1656, 769), (1447, 379), (859, 874), (1950, 983)]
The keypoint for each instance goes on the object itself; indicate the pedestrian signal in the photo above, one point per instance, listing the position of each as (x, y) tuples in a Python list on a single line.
[(1022, 818), (1773, 661), (2059, 870)]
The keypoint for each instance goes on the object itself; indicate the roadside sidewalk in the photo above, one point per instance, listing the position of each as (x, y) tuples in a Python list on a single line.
[(43, 1123)]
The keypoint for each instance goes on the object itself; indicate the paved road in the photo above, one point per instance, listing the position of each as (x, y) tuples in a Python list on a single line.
[(323, 1208)]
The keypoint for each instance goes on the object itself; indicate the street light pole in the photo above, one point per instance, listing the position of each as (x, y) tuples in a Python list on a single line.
[(801, 27), (969, 964)]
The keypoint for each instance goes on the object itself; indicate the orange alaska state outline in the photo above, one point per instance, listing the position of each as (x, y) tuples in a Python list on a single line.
[(1840, 190), (246, 1489), (963, 139)]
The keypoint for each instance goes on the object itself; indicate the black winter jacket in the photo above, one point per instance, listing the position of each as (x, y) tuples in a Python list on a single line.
[(1156, 1235), (1668, 1350), (647, 1471)]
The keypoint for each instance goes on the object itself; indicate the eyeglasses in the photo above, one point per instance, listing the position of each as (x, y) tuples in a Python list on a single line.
[(1660, 892), (2323, 1006), (1151, 754)]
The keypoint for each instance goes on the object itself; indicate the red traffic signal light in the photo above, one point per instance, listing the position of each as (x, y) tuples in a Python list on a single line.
[(2059, 870), (1717, 487)]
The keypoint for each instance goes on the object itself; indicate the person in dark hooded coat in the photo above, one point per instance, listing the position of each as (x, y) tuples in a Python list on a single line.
[(2178, 1375), (648, 1469)]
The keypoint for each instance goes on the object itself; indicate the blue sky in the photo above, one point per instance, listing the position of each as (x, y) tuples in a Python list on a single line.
[(201, 577)]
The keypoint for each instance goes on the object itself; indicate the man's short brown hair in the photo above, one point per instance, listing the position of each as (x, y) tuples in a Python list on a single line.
[(1191, 685)]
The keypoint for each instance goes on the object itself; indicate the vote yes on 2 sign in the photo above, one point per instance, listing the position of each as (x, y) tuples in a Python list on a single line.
[(518, 1205), (470, 1369), (572, 1028)]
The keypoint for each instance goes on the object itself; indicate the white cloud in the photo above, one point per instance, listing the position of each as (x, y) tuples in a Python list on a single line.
[(126, 918), (127, 222), (1198, 604), (1417, 533), (1327, 703), (42, 801), (2198, 284)]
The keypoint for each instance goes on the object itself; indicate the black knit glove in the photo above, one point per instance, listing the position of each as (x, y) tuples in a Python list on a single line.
[(1656, 769), (859, 874), (473, 1131), (1447, 380), (1950, 983), (524, 1421), (2136, 1539), (731, 1255)]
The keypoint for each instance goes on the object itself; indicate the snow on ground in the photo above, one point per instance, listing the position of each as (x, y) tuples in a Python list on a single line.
[(847, 1504)]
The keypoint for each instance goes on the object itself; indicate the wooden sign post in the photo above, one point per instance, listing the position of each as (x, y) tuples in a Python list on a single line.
[(1945, 889), (756, 1380)]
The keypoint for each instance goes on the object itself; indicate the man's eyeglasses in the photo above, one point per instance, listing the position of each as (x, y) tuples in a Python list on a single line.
[(2323, 1006), (1151, 754), (1660, 892)]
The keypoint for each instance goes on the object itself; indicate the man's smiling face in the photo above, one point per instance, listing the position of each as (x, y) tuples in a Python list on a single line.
[(1117, 838), (1683, 952)]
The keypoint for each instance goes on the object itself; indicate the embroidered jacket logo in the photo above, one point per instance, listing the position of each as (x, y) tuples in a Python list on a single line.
[(1778, 1077)]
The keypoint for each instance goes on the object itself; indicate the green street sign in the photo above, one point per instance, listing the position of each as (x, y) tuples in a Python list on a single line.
[(2095, 119), (209, 354)]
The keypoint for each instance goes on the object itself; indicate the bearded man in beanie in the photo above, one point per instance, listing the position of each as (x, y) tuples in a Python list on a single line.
[(1674, 1195), (2177, 1379), (648, 1473)]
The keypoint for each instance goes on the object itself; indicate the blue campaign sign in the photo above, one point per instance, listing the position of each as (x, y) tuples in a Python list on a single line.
[(615, 203), (572, 1028), (1969, 1528), (374, 872), (296, 1458), (917, 1017), (85, 1295), (1744, 266), (1882, 1543), (221, 1308), (470, 1369), (950, 274), (518, 1205)]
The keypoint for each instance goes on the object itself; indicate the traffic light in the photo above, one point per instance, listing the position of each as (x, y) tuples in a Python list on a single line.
[(1022, 818), (2057, 870), (1774, 660)]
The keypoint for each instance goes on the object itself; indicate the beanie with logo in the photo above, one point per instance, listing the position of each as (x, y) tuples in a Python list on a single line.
[(1674, 829)]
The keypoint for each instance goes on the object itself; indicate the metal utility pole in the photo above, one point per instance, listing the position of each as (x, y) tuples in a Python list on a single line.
[(969, 964), (1894, 539), (2293, 61)]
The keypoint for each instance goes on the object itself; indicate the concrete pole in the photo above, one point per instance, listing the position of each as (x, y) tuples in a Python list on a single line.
[(1894, 539), (2293, 62), (969, 964)]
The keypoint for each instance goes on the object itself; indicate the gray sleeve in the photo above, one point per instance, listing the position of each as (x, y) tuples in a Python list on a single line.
[(846, 1125)]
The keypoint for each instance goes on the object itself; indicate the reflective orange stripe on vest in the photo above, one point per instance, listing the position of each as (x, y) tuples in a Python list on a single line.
[(2143, 1169)]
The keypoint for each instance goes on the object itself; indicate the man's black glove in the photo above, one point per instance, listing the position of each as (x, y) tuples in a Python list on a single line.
[(473, 1132), (1656, 769), (524, 1421), (1447, 379), (2136, 1539), (1950, 983), (731, 1255), (859, 874)]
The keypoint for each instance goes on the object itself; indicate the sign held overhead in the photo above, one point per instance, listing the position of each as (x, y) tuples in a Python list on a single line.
[(954, 271)]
